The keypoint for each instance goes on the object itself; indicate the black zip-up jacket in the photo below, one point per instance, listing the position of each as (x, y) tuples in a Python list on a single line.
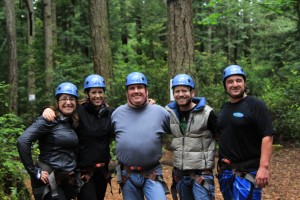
[(95, 134), (57, 144)]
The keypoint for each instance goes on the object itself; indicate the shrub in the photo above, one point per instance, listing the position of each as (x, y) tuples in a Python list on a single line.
[(11, 169)]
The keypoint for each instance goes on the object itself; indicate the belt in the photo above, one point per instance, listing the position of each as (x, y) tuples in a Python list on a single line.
[(196, 172), (136, 168), (133, 168)]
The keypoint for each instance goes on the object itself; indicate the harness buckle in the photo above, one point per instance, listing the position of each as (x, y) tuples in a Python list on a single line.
[(240, 174), (135, 168), (98, 165), (199, 179), (225, 160)]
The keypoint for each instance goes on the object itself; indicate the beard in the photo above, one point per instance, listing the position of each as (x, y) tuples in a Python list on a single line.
[(237, 96), (185, 105)]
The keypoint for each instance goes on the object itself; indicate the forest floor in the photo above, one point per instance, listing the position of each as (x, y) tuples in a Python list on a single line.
[(284, 177)]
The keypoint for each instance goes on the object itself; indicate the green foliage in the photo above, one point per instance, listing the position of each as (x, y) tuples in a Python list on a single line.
[(210, 68), (3, 98), (11, 169), (261, 36), (283, 101), (149, 37), (113, 150)]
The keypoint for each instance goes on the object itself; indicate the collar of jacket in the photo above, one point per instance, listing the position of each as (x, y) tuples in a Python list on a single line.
[(200, 101), (91, 108), (63, 118)]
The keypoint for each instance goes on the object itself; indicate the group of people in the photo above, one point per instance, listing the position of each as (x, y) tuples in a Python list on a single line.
[(74, 142)]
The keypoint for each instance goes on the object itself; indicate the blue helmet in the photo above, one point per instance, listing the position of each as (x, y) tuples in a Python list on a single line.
[(233, 70), (136, 78), (66, 88), (93, 81), (184, 80)]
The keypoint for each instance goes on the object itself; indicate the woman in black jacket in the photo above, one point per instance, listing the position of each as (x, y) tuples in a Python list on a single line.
[(95, 135), (53, 175)]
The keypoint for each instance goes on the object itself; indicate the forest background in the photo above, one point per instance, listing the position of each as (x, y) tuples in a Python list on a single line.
[(46, 42)]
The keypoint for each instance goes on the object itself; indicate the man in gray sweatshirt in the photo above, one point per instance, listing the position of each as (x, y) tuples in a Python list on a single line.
[(139, 128)]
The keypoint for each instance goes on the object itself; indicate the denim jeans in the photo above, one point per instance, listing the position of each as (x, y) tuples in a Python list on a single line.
[(189, 189), (237, 188), (137, 186)]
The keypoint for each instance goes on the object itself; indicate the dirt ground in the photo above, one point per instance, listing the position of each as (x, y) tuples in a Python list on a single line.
[(284, 172)]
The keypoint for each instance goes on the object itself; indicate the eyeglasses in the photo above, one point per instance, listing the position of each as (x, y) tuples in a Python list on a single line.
[(65, 100)]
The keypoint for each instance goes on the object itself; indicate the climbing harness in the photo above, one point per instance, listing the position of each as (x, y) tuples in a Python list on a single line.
[(237, 170), (196, 175), (146, 172)]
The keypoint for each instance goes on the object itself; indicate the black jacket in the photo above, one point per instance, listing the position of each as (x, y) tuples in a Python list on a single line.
[(95, 134), (57, 144)]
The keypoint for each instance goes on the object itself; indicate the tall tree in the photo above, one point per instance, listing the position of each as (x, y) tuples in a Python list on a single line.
[(100, 37), (12, 55), (297, 8), (137, 15), (54, 24), (180, 37), (48, 42), (32, 59), (124, 31)]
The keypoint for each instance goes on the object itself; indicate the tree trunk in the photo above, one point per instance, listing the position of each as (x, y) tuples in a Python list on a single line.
[(32, 60), (48, 37), (247, 41), (100, 38), (124, 32), (31, 34), (180, 37), (228, 43), (54, 25), (209, 43), (297, 7), (138, 25), (12, 55)]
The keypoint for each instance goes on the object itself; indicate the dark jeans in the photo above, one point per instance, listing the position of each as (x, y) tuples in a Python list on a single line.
[(95, 188)]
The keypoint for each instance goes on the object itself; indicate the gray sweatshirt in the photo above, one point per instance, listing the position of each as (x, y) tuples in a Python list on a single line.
[(138, 133)]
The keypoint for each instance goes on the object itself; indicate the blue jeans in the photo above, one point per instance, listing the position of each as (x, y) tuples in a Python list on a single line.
[(237, 188), (137, 186), (189, 189)]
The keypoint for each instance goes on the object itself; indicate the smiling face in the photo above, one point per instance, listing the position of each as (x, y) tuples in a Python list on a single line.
[(67, 104), (183, 96), (96, 96), (137, 95), (235, 87)]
